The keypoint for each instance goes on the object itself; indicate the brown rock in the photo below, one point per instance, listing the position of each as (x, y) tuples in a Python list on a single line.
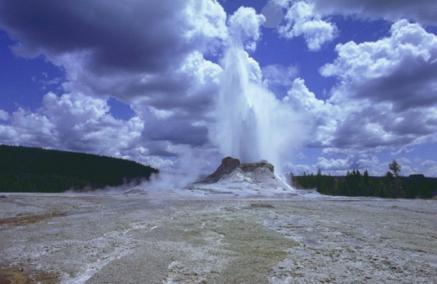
[(230, 164), (227, 166)]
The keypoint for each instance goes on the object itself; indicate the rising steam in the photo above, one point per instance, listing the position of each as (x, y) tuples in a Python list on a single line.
[(251, 123)]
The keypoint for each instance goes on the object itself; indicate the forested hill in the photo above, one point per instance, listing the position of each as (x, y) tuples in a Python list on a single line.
[(24, 169), (357, 184)]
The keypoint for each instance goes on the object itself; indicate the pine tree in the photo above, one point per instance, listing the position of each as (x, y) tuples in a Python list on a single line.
[(395, 168)]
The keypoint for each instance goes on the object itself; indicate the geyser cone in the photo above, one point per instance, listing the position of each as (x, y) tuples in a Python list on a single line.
[(234, 177)]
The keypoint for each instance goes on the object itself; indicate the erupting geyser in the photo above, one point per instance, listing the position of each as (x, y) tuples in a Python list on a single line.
[(251, 123), (238, 111), (253, 127)]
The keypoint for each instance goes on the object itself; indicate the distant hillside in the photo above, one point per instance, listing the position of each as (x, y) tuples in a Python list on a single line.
[(25, 169)]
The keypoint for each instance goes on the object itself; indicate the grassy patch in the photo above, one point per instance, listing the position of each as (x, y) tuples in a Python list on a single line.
[(27, 219), (261, 205), (18, 275), (254, 250)]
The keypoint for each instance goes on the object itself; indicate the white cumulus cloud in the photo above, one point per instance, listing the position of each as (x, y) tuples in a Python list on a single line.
[(244, 27), (385, 97), (301, 19)]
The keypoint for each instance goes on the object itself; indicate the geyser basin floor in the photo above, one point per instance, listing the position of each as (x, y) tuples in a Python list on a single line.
[(139, 239)]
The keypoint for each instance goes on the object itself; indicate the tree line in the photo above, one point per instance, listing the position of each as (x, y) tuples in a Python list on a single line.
[(24, 169), (356, 183)]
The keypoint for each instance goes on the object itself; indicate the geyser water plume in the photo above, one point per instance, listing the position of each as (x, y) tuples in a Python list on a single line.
[(251, 123), (238, 119)]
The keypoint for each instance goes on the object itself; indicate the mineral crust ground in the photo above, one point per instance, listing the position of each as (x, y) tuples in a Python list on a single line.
[(176, 238)]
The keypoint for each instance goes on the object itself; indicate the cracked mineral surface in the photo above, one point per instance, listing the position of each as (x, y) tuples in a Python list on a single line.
[(140, 238)]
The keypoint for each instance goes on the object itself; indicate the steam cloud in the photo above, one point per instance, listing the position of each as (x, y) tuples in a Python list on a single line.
[(251, 123)]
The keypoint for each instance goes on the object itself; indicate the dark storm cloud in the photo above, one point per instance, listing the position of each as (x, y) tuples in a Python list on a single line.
[(128, 86), (412, 85), (423, 11), (125, 35), (413, 122), (370, 128), (179, 133), (144, 53)]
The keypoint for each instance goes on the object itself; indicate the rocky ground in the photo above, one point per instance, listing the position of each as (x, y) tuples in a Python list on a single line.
[(144, 238)]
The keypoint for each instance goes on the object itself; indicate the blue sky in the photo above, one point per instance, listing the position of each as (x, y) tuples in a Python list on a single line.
[(19, 77), (142, 84)]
